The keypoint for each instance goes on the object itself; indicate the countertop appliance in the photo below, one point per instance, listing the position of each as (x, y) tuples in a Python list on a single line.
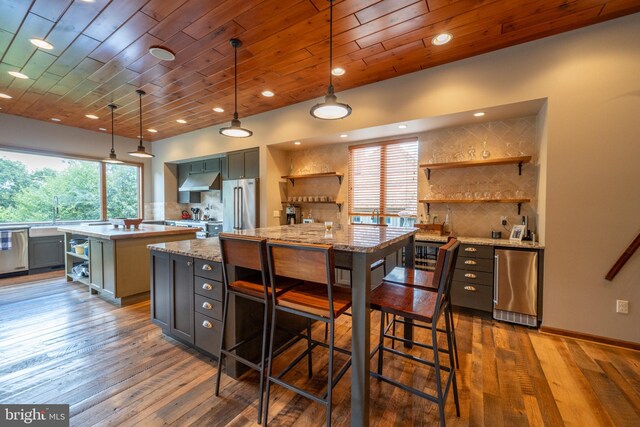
[(515, 293), (15, 259), (293, 214), (240, 211), (197, 214), (207, 228)]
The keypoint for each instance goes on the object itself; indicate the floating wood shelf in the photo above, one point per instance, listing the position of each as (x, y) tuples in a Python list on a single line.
[(474, 163), (339, 204), (519, 202), (292, 178)]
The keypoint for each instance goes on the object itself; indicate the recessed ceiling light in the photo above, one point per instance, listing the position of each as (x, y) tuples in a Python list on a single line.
[(91, 116), (338, 71), (479, 114), (41, 44), (267, 93), (182, 121), (5, 96), (102, 129), (297, 143), (344, 135), (218, 110), (152, 130), (441, 39), (162, 53), (88, 1), (18, 75), (55, 119), (402, 126)]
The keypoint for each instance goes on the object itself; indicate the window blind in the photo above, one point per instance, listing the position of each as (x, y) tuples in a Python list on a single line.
[(383, 176)]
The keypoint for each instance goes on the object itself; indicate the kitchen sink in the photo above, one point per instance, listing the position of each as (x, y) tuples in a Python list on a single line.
[(44, 230)]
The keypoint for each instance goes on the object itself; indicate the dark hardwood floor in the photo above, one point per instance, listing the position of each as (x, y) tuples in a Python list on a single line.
[(58, 344)]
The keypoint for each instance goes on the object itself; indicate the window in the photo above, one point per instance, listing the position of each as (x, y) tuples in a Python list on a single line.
[(383, 182), (43, 188)]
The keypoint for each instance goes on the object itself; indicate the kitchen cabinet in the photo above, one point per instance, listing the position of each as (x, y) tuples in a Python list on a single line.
[(243, 164), (102, 266), (46, 252), (472, 285), (186, 196), (161, 289), (181, 318)]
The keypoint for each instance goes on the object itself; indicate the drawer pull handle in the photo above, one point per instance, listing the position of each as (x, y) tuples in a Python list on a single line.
[(470, 288), (470, 262), (470, 276), (207, 287), (207, 306), (189, 263), (207, 267), (207, 324), (470, 250)]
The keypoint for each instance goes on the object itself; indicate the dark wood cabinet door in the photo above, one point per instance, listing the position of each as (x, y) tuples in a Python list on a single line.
[(212, 165), (161, 289), (252, 164), (181, 281), (235, 164), (46, 252)]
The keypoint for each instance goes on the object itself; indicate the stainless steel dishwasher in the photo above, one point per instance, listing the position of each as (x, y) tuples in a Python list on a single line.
[(515, 292), (16, 259)]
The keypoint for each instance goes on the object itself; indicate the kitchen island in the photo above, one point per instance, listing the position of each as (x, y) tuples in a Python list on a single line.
[(118, 259)]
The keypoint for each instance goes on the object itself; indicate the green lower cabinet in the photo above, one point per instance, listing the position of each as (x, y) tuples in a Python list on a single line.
[(46, 252), (102, 266)]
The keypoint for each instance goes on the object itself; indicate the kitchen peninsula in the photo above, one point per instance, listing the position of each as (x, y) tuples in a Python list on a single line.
[(117, 258)]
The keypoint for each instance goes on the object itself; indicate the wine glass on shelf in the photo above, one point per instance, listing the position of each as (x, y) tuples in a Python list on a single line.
[(487, 191), (485, 153)]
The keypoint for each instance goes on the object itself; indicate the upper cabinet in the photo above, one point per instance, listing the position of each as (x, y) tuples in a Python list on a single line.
[(243, 164)]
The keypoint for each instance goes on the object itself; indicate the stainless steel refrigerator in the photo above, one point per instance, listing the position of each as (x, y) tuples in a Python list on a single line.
[(515, 293), (240, 204)]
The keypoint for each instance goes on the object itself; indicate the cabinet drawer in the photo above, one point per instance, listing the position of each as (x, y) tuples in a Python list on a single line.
[(208, 307), (475, 264), (472, 296), (476, 251), (209, 269), (208, 288), (478, 277), (207, 334)]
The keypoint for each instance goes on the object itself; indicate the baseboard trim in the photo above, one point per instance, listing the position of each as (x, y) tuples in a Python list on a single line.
[(589, 337)]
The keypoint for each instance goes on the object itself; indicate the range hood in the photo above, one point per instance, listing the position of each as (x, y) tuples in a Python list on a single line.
[(202, 182)]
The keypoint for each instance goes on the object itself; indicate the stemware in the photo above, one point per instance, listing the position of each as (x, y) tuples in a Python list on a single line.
[(485, 153)]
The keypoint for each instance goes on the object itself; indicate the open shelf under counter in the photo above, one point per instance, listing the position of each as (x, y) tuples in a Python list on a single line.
[(83, 280), (79, 256), (519, 202), (475, 163), (292, 178)]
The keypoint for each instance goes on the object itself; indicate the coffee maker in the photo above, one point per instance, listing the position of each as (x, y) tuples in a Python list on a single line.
[(294, 215)]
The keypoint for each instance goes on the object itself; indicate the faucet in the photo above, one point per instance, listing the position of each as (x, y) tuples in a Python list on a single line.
[(54, 209), (376, 214)]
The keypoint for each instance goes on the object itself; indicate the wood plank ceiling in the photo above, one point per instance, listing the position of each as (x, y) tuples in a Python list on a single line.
[(100, 52)]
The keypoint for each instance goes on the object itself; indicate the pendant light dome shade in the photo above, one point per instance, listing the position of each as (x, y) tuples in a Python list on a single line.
[(141, 152), (112, 154), (235, 130), (330, 109)]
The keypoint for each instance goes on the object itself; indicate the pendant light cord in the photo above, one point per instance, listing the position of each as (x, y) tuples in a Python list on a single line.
[(235, 80), (330, 44), (140, 95), (112, 108)]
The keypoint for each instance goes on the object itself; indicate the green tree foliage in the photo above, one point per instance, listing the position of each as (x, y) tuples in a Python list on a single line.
[(13, 178), (74, 191)]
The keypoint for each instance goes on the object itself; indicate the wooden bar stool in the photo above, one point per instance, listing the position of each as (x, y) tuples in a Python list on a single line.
[(424, 280), (247, 252), (317, 299), (426, 308)]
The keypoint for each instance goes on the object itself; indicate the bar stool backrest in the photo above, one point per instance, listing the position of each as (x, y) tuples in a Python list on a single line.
[(443, 275), (306, 262), (245, 252)]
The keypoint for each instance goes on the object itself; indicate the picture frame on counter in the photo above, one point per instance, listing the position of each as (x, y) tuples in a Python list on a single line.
[(517, 232)]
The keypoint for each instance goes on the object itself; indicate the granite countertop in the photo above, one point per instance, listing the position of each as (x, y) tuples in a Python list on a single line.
[(421, 236), (111, 233), (207, 249), (350, 238)]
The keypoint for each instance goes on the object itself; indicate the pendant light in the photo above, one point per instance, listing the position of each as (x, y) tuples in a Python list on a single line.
[(140, 152), (112, 155), (330, 109), (235, 130)]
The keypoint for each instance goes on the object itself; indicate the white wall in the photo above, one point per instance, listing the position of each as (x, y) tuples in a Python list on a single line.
[(590, 79), (30, 134)]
